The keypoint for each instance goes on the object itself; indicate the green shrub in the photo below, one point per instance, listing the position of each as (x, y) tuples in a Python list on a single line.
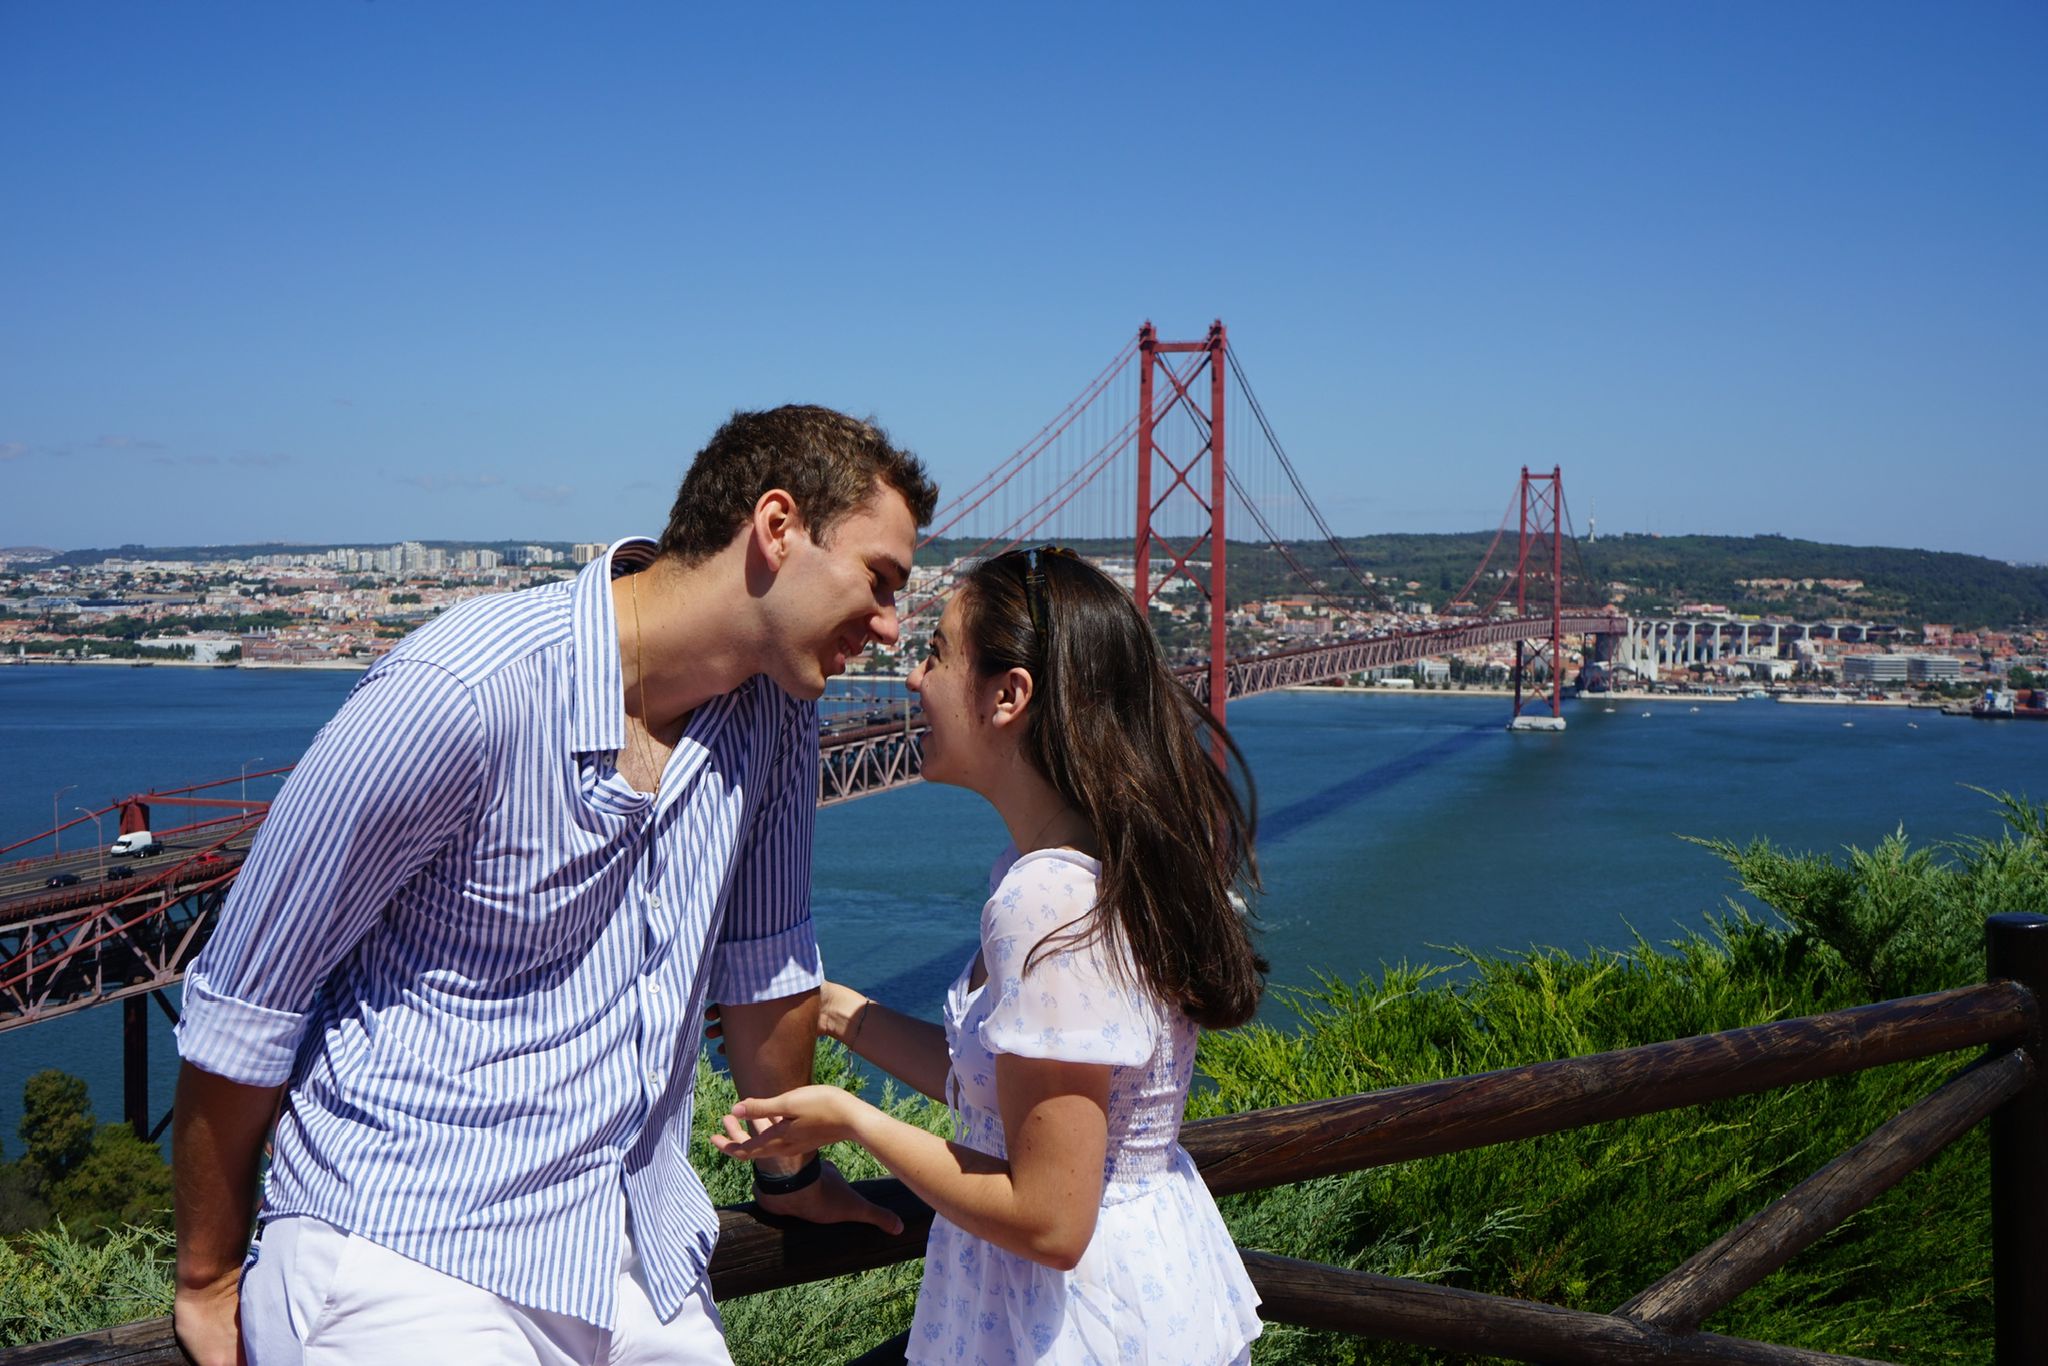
[(1590, 1217), (53, 1284)]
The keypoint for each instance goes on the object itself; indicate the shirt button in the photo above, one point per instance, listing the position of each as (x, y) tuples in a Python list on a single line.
[(654, 900), (653, 987), (654, 1077)]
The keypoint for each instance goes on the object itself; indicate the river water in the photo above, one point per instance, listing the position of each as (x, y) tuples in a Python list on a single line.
[(1392, 825)]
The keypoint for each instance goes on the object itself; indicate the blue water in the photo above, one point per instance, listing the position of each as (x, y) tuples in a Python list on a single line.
[(1392, 825)]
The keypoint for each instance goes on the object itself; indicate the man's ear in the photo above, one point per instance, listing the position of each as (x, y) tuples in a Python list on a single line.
[(776, 523), (1014, 691)]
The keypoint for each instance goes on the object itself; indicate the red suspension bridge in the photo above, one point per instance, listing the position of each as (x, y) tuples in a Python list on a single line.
[(1159, 453)]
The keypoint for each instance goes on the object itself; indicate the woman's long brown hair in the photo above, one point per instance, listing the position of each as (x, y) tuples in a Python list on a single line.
[(1127, 746)]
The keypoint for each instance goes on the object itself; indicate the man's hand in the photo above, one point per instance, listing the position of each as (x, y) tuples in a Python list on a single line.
[(217, 1130), (829, 1200), (208, 1322)]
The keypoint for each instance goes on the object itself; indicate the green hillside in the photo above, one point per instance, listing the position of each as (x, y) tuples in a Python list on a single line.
[(1905, 587)]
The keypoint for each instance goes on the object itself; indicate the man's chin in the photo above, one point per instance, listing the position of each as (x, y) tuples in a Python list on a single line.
[(807, 686)]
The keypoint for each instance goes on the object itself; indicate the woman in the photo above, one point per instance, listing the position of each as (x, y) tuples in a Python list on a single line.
[(1071, 1226)]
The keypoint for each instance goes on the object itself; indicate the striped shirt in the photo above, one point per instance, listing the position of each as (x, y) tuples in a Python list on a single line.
[(481, 958)]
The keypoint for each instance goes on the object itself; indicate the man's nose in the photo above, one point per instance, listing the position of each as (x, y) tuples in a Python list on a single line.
[(883, 626)]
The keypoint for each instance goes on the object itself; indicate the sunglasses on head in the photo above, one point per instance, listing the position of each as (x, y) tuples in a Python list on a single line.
[(1034, 585)]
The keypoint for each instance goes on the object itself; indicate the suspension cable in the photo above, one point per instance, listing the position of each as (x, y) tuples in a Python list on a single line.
[(953, 512), (1286, 465)]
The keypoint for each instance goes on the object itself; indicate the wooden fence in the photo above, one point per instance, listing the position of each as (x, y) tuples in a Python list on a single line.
[(1266, 1148)]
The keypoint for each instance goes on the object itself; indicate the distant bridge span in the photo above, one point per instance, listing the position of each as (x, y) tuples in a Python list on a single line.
[(1250, 674), (874, 758)]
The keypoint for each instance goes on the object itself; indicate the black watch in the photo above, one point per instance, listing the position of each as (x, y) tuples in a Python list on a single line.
[(767, 1183)]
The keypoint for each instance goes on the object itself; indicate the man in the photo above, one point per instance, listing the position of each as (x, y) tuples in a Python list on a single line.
[(466, 965)]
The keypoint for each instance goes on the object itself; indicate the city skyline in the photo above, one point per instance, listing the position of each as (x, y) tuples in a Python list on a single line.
[(365, 274)]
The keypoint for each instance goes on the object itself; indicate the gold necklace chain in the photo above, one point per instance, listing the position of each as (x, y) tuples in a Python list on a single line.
[(640, 670)]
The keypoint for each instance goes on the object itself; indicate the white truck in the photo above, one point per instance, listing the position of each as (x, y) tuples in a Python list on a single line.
[(136, 844)]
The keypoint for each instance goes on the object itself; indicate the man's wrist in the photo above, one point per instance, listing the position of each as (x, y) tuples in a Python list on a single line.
[(192, 1279), (790, 1182)]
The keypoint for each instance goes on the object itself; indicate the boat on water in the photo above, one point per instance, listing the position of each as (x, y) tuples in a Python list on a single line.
[(2015, 704)]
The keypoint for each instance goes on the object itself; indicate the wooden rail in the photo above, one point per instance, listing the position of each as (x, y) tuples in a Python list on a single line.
[(1276, 1147)]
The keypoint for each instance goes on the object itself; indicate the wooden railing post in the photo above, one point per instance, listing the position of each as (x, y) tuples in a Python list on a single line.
[(2017, 948)]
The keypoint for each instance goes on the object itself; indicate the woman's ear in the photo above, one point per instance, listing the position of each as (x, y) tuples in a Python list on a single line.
[(1013, 694)]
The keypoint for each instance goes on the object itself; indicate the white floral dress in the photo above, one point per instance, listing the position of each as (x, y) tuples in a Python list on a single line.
[(1161, 1281)]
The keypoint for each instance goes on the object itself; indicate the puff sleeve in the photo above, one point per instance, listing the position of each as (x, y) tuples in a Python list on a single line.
[(1070, 1006)]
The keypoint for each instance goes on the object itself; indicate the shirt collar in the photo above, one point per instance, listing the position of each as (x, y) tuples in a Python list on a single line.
[(597, 711)]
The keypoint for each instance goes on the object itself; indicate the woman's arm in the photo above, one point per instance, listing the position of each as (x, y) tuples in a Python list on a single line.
[(909, 1049), (1041, 1204)]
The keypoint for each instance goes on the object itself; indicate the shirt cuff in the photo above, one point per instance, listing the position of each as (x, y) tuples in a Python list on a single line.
[(250, 1044), (748, 970)]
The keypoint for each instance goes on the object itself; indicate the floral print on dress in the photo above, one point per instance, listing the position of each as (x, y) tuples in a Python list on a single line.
[(1161, 1281)]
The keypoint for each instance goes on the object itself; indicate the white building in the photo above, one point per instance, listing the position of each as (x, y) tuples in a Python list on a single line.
[(1873, 668), (1901, 668)]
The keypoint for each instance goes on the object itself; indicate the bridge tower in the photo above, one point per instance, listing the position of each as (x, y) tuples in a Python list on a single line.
[(1185, 475), (1542, 542)]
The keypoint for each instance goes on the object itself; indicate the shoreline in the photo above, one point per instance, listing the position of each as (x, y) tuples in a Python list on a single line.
[(1849, 701), (283, 666), (1347, 690), (28, 661), (1497, 693), (320, 666)]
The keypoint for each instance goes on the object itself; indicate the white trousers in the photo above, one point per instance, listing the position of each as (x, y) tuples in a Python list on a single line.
[(317, 1295)]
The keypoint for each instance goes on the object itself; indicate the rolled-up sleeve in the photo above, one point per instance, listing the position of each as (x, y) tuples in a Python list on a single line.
[(766, 948), (386, 783)]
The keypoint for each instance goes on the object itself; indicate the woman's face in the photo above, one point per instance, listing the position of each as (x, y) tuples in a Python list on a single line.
[(957, 743)]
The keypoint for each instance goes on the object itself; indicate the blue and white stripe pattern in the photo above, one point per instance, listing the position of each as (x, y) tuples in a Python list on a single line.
[(480, 957)]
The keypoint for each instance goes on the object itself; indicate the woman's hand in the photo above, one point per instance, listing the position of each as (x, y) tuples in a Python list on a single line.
[(839, 1008), (791, 1125)]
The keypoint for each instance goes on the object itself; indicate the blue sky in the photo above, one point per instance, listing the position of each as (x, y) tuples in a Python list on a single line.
[(367, 271)]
